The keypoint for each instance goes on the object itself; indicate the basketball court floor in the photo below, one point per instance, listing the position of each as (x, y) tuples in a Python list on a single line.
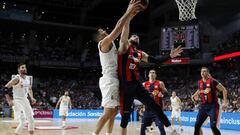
[(86, 126)]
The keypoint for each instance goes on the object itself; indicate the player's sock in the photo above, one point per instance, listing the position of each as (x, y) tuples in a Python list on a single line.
[(63, 123), (170, 128), (94, 133)]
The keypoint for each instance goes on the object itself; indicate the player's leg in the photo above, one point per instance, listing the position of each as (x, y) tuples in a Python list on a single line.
[(213, 120), (201, 131), (108, 113), (63, 114), (178, 116), (107, 87), (126, 101), (63, 121), (111, 122), (201, 117), (29, 116), (21, 124), (143, 96), (204, 123), (173, 115), (146, 121), (114, 103), (160, 126), (19, 116), (219, 113)]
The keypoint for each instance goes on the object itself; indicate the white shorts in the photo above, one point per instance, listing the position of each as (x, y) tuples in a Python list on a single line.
[(176, 114), (18, 115), (63, 111), (22, 109), (109, 87)]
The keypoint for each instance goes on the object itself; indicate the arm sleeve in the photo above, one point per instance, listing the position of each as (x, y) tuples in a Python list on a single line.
[(158, 60)]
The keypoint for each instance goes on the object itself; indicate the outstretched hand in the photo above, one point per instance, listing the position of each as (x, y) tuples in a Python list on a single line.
[(176, 52), (135, 7)]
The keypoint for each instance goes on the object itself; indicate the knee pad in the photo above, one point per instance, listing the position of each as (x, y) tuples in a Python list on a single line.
[(125, 119)]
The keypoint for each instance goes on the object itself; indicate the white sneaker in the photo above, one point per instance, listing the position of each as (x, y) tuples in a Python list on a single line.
[(174, 132), (63, 126), (181, 130)]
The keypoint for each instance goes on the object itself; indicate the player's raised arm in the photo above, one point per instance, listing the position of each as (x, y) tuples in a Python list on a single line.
[(123, 43), (133, 6), (159, 60)]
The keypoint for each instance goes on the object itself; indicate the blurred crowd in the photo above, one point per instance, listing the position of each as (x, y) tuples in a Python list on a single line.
[(83, 86)]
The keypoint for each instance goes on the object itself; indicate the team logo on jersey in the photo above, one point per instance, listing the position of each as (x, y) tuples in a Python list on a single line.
[(155, 87), (132, 66), (208, 85)]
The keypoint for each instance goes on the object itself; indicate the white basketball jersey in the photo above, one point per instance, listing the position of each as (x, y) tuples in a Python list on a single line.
[(174, 103), (109, 61), (21, 89), (65, 102)]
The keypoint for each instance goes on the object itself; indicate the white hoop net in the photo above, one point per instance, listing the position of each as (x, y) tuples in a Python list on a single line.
[(186, 9)]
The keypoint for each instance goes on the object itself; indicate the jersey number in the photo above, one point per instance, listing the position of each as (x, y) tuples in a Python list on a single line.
[(132, 66)]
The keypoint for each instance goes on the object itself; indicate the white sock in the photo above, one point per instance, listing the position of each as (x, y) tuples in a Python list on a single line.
[(63, 123), (170, 128), (94, 133), (108, 133)]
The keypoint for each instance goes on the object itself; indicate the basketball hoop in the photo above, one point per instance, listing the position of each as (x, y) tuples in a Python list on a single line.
[(186, 9)]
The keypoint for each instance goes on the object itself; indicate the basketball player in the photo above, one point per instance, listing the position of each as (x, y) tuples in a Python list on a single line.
[(195, 97), (21, 85), (156, 88), (130, 86), (65, 104), (109, 83), (176, 109), (207, 89)]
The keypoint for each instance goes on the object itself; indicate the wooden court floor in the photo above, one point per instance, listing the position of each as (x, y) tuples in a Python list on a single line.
[(87, 126)]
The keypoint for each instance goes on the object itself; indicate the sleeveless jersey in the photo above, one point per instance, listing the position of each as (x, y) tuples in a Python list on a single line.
[(174, 103), (109, 61), (128, 64), (155, 86), (65, 102), (211, 97), (21, 89)]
